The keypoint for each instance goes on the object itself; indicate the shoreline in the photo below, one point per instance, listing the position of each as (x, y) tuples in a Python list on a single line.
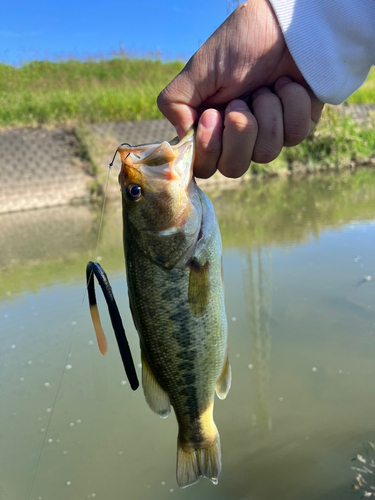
[(53, 166)]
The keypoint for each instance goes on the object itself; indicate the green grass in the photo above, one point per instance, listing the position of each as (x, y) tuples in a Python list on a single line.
[(122, 88), (82, 92), (365, 94), (116, 89), (337, 142)]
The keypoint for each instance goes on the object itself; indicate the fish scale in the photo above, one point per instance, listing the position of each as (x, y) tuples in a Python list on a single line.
[(173, 258), (169, 330)]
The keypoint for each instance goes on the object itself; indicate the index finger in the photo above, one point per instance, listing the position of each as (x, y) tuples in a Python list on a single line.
[(182, 116), (178, 101), (188, 90)]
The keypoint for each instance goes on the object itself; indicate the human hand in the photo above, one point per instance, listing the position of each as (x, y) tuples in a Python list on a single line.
[(244, 63)]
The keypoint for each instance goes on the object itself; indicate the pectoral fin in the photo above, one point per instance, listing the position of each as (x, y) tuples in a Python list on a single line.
[(157, 399), (225, 379), (198, 288)]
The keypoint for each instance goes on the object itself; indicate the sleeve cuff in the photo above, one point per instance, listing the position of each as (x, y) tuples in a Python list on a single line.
[(331, 41)]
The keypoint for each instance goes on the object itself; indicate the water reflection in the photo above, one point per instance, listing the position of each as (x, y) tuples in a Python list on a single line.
[(38, 246), (294, 253), (257, 282)]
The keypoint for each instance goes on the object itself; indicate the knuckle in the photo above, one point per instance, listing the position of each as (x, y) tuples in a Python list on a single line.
[(295, 133), (209, 148), (204, 171), (265, 153), (265, 100), (232, 169), (316, 110), (162, 101), (297, 112), (242, 122), (293, 90), (208, 143), (293, 142)]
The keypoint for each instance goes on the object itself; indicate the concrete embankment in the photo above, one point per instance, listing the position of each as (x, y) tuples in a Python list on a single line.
[(37, 169), (48, 167)]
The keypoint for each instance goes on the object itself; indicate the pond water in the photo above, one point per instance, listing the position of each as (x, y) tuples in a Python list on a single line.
[(301, 318)]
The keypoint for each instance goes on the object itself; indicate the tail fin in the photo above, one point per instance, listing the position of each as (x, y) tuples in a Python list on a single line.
[(204, 462)]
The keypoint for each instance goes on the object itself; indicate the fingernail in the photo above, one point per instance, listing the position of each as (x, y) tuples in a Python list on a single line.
[(180, 131), (208, 120), (238, 105), (283, 81), (260, 91)]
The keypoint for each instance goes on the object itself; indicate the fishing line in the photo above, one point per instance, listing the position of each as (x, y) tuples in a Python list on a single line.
[(101, 221), (50, 418), (103, 208), (71, 340), (102, 214)]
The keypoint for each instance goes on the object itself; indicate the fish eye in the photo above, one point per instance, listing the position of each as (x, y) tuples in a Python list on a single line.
[(134, 192)]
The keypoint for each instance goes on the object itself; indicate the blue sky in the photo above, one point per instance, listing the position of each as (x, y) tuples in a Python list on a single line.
[(43, 29)]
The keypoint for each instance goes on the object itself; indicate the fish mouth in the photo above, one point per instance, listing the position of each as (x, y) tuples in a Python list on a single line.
[(168, 161), (152, 165)]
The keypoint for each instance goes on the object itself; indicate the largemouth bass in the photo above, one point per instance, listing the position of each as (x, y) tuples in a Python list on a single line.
[(173, 259)]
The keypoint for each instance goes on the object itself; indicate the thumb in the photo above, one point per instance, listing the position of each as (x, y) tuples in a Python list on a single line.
[(182, 116), (178, 101)]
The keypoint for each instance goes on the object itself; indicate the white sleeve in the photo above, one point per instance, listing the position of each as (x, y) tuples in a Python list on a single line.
[(331, 41)]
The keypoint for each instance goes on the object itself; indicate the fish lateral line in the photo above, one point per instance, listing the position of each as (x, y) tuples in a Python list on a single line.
[(94, 268)]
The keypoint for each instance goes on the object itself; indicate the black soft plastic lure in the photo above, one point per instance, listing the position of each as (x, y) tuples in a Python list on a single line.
[(93, 268)]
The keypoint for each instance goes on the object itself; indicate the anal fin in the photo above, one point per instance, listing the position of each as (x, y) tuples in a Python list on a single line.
[(223, 384), (157, 399)]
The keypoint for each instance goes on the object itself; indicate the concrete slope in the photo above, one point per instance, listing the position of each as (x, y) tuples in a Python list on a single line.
[(41, 168), (38, 169)]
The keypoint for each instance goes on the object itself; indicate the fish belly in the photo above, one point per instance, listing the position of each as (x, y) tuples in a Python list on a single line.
[(185, 352)]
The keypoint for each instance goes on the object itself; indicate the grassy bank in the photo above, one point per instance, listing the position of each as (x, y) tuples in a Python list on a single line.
[(366, 94), (82, 92), (121, 89), (95, 91), (337, 142)]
